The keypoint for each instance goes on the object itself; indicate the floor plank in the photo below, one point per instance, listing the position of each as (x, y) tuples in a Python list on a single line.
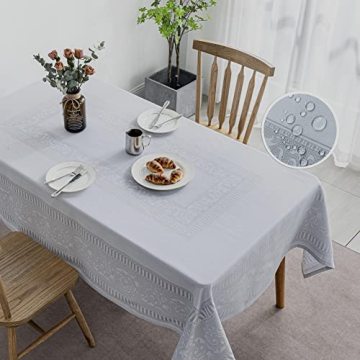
[(355, 242), (343, 178), (344, 213)]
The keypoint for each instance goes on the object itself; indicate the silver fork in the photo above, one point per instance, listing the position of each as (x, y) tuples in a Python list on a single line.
[(157, 117), (73, 179), (73, 173), (172, 119)]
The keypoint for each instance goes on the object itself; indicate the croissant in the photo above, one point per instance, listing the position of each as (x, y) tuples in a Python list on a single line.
[(166, 163), (154, 167), (176, 176), (157, 179)]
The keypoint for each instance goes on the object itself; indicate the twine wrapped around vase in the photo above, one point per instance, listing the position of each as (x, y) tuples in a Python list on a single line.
[(74, 99), (74, 112)]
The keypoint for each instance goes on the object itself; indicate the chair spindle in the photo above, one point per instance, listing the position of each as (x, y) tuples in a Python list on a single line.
[(255, 110), (198, 89), (212, 91), (225, 95), (246, 105), (236, 99)]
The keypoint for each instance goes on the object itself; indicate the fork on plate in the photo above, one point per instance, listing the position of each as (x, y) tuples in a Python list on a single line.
[(158, 126), (72, 173)]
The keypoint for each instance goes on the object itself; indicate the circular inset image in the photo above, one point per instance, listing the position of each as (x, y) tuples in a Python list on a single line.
[(306, 136)]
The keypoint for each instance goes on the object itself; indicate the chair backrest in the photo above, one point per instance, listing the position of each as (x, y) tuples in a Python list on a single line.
[(4, 302), (245, 61)]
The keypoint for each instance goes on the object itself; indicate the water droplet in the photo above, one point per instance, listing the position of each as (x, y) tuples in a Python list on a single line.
[(282, 119), (288, 147), (282, 137), (303, 162), (276, 131), (301, 150), (310, 106), (291, 96), (290, 119), (298, 99), (303, 113), (297, 130), (319, 123), (294, 147), (322, 153)]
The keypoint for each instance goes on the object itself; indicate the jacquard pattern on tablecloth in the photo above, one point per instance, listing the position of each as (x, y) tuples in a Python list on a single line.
[(237, 289), (118, 277), (144, 292), (185, 218), (288, 152), (230, 186), (203, 337), (113, 272)]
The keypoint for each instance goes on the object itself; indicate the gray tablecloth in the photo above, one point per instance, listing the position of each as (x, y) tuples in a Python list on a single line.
[(186, 260)]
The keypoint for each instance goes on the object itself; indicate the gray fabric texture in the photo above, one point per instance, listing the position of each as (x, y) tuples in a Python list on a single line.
[(186, 260), (321, 321)]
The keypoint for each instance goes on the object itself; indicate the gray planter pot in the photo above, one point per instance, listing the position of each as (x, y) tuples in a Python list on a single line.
[(182, 100)]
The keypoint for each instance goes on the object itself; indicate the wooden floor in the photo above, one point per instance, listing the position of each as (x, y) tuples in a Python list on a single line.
[(342, 189)]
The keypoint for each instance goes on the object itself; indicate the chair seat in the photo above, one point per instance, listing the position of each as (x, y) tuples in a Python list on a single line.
[(33, 277)]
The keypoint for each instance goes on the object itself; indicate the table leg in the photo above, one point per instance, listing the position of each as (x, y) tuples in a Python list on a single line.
[(280, 285)]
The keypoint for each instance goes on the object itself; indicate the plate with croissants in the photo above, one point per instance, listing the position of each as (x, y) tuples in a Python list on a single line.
[(161, 172)]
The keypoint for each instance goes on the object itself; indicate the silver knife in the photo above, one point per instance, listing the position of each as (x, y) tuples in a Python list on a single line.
[(74, 178), (157, 117), (73, 173)]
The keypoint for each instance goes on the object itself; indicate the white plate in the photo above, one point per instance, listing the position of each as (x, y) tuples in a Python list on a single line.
[(144, 120), (67, 167), (139, 172)]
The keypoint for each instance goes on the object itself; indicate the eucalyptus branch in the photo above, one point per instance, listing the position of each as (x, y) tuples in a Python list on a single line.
[(70, 77)]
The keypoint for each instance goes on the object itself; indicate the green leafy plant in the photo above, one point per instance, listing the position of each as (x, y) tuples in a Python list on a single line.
[(175, 18), (69, 77)]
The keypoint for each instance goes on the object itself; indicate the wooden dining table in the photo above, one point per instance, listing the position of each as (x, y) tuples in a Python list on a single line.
[(186, 259)]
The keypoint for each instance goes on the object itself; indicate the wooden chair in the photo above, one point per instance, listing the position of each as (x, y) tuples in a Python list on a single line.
[(31, 279), (239, 129)]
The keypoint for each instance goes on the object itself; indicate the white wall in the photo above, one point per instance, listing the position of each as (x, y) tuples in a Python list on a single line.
[(27, 27)]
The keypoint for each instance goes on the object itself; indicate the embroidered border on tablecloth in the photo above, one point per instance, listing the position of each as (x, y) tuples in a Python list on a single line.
[(7, 186)]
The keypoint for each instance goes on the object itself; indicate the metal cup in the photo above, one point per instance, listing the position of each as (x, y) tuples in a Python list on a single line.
[(135, 143)]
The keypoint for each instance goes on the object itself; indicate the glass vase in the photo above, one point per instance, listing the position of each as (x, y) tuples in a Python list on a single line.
[(74, 112)]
